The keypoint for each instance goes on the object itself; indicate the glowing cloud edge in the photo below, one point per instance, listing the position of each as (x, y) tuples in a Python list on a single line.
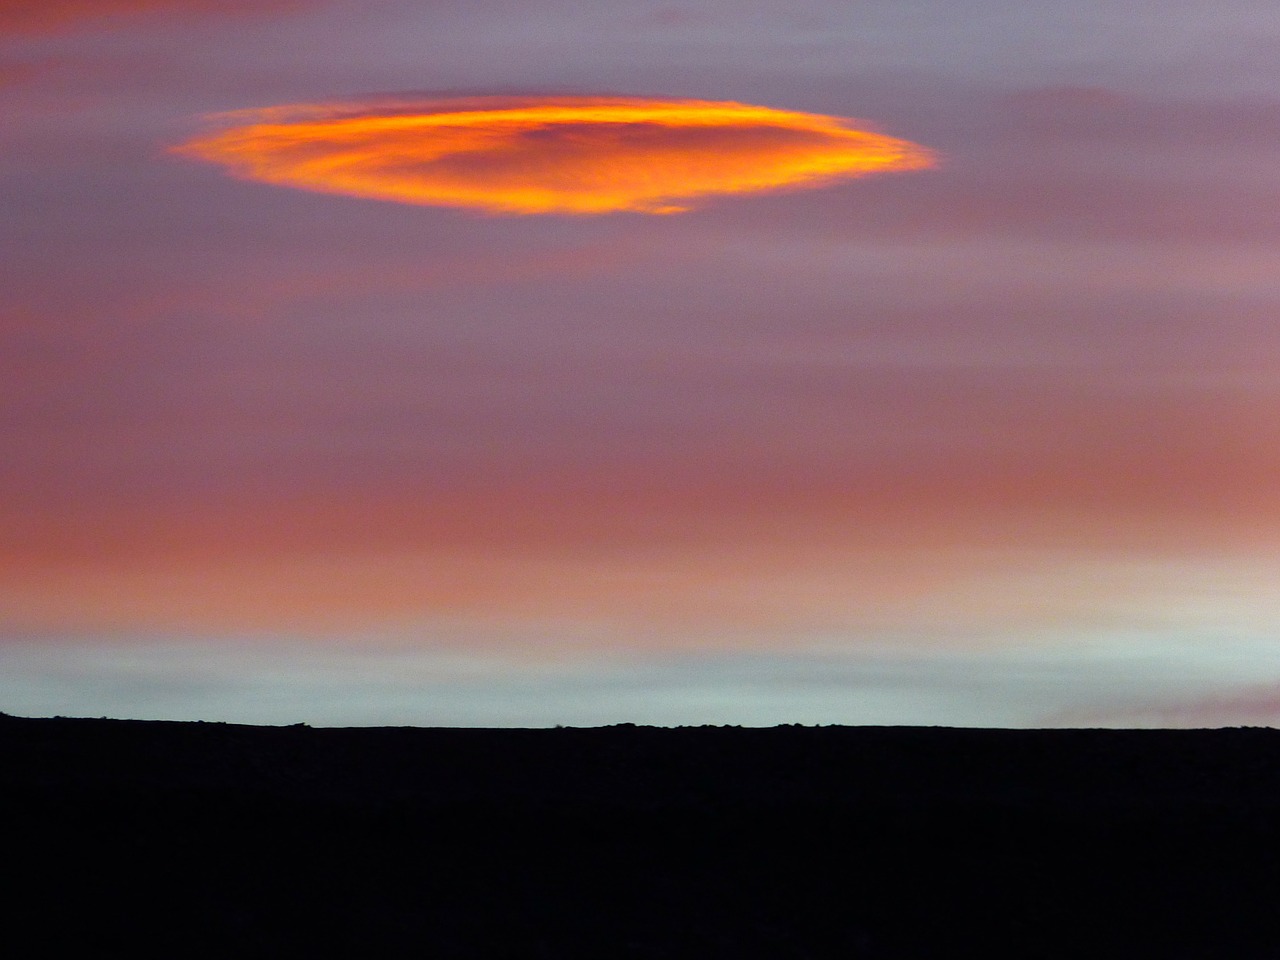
[(547, 155)]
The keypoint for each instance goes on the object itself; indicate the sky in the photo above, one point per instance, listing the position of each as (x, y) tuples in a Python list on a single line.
[(745, 362)]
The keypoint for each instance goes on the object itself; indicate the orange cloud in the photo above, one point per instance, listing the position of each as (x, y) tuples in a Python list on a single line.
[(563, 155)]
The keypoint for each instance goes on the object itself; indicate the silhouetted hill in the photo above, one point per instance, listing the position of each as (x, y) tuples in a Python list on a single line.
[(176, 839)]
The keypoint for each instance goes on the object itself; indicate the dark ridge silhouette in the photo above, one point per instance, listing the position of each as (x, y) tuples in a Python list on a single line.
[(128, 838)]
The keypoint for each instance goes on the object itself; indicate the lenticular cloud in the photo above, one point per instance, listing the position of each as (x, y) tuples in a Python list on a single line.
[(561, 155)]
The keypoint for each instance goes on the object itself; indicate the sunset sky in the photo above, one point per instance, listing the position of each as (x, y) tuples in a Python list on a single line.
[(474, 362)]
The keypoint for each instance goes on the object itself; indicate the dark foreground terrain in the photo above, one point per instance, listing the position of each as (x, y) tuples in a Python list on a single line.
[(170, 839)]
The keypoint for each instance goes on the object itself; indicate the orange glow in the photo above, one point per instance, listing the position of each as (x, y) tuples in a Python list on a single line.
[(565, 155)]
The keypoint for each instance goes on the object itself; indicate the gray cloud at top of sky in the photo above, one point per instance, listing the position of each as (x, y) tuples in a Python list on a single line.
[(1144, 45), (786, 53)]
